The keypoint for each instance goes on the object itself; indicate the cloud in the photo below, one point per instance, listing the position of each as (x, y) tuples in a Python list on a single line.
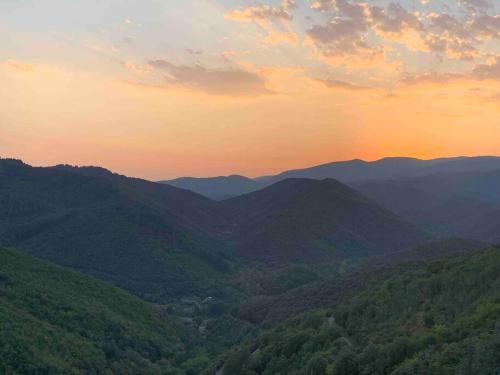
[(195, 52), (228, 82), (137, 69), (395, 20), (351, 28), (289, 4), (477, 4), (19, 66), (345, 33), (336, 84), (274, 20), (446, 34), (495, 97), (262, 12), (128, 40), (486, 26), (488, 71), (430, 78)]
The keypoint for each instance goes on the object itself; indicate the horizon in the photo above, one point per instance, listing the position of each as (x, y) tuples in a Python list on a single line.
[(160, 90), (243, 175)]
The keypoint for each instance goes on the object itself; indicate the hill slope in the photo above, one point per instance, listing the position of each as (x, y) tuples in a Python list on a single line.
[(437, 318), (460, 204), (155, 240), (301, 219), (57, 321)]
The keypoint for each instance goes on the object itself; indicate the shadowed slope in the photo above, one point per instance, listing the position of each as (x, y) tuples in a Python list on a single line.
[(301, 219), (154, 240), (458, 204)]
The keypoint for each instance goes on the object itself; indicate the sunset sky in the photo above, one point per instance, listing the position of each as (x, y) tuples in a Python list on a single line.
[(167, 88)]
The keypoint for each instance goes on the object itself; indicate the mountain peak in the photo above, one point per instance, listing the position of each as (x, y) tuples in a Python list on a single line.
[(299, 219)]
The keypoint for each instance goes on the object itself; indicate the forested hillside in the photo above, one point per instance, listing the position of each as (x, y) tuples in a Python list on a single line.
[(441, 317), (163, 243), (157, 241), (307, 220), (57, 321)]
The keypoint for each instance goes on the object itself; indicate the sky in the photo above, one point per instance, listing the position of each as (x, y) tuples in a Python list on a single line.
[(166, 88)]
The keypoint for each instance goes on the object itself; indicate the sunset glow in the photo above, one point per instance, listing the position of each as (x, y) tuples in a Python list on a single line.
[(160, 89)]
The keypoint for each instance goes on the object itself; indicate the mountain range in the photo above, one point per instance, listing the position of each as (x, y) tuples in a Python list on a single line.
[(344, 171), (110, 274), (466, 204), (162, 242)]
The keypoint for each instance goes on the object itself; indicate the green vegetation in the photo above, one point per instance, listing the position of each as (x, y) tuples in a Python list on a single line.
[(57, 321), (150, 239), (303, 277), (436, 318)]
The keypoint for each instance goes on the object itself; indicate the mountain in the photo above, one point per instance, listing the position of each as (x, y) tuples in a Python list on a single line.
[(217, 188), (160, 241), (440, 317), (351, 171), (307, 220), (155, 240), (458, 204), (389, 168), (58, 321)]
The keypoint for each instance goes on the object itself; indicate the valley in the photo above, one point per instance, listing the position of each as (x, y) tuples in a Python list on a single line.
[(285, 270)]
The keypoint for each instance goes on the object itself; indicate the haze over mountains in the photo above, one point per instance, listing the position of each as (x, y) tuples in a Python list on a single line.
[(344, 171), (455, 203)]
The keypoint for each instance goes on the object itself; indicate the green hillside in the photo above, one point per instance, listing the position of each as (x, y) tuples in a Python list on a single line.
[(441, 317), (57, 321), (154, 240)]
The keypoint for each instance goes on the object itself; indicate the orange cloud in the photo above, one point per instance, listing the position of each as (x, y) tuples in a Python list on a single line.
[(341, 85), (226, 82), (19, 66), (273, 20)]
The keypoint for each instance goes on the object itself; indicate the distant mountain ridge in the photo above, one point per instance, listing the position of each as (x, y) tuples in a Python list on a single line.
[(218, 188), (463, 204), (344, 171)]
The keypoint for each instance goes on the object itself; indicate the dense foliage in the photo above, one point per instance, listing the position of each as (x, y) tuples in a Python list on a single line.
[(437, 318), (57, 321), (148, 238)]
